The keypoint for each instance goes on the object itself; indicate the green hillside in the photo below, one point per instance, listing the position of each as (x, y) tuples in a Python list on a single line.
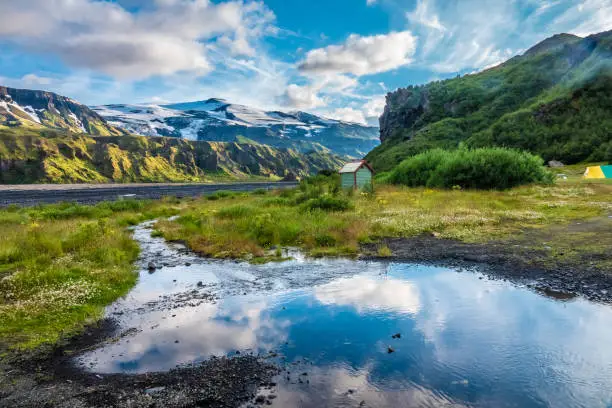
[(53, 156), (555, 100)]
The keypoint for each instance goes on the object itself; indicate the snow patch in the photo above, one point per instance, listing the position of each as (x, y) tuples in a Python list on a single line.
[(191, 131)]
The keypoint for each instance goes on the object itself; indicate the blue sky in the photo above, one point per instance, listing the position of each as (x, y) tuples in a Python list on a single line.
[(333, 57)]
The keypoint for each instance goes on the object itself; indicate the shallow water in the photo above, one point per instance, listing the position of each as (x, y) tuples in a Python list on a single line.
[(466, 340)]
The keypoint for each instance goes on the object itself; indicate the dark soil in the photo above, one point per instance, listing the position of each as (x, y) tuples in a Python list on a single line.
[(49, 379), (543, 259)]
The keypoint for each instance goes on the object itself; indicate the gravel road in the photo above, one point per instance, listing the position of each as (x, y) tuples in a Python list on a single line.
[(33, 194)]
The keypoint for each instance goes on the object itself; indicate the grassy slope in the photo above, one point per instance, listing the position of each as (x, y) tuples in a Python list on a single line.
[(555, 102), (47, 156)]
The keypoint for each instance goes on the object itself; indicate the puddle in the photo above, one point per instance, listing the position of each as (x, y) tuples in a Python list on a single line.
[(464, 340)]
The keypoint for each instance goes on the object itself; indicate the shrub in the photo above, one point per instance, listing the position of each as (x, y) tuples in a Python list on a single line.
[(384, 251), (327, 203), (220, 194), (276, 202), (236, 211), (325, 240), (491, 168)]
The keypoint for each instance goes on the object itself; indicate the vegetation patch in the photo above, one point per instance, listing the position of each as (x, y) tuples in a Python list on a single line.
[(60, 265), (247, 226), (492, 168)]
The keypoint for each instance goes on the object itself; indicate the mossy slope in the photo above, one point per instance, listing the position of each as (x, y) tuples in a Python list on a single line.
[(45, 156)]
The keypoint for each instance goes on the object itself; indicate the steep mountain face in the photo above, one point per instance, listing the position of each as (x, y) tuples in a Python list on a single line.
[(555, 100), (40, 109), (48, 156), (219, 120)]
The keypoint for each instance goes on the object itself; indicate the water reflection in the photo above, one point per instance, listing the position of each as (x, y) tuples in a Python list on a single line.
[(465, 340)]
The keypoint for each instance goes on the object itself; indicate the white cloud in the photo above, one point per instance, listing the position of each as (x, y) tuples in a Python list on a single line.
[(301, 97), (373, 108), (367, 294), (348, 115), (586, 17), (475, 34), (33, 79), (362, 55), (423, 15), (162, 39)]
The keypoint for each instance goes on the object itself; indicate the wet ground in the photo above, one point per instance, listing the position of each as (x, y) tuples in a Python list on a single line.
[(341, 333)]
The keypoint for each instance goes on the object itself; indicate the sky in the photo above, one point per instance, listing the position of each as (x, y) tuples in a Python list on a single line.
[(337, 58)]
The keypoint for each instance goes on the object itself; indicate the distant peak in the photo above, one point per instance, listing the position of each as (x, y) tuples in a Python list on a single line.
[(552, 43), (216, 100)]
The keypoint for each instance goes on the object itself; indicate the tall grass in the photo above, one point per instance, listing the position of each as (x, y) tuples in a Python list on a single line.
[(61, 264)]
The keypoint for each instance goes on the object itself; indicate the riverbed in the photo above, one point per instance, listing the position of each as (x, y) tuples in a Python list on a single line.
[(349, 333)]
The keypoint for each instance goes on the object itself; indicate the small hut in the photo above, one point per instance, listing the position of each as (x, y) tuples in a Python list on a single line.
[(357, 174)]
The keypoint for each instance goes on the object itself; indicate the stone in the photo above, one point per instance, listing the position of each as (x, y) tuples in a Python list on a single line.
[(555, 164)]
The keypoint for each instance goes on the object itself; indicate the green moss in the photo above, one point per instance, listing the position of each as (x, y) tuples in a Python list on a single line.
[(60, 157)]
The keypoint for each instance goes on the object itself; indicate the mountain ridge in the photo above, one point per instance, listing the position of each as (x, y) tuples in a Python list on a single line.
[(42, 109), (216, 119), (554, 100), (51, 156)]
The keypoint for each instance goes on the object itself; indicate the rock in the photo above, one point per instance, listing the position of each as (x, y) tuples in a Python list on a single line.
[(260, 399), (555, 164), (200, 284), (390, 350), (151, 267), (187, 263), (397, 336)]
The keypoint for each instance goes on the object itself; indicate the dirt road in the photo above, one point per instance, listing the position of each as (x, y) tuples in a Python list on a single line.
[(33, 194)]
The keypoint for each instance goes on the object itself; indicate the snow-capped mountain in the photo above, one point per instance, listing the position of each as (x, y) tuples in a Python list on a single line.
[(219, 120), (40, 109)]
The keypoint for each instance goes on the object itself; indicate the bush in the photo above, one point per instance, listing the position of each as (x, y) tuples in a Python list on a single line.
[(490, 168), (325, 240), (236, 211), (221, 194), (327, 203)]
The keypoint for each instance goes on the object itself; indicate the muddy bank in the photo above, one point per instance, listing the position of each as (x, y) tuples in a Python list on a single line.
[(52, 380), (513, 261)]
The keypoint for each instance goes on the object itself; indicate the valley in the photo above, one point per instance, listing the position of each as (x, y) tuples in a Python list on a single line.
[(216, 254)]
